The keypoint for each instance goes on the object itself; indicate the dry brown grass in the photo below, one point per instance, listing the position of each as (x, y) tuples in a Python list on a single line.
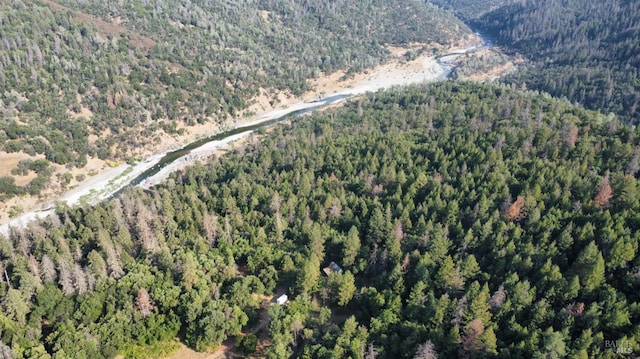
[(9, 161), (104, 27), (187, 353)]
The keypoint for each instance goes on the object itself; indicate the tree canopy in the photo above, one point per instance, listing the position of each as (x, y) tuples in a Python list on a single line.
[(465, 217), (95, 79), (586, 51)]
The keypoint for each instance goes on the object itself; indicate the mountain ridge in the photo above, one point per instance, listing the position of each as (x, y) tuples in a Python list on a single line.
[(585, 50)]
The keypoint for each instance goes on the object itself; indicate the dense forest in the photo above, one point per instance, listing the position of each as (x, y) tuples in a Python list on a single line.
[(469, 220), (99, 79), (470, 10), (587, 51)]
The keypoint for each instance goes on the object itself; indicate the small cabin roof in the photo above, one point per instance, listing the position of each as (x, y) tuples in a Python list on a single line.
[(333, 267)]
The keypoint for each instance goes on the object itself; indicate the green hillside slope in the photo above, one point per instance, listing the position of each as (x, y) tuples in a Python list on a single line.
[(469, 220), (587, 51), (86, 79), (470, 9)]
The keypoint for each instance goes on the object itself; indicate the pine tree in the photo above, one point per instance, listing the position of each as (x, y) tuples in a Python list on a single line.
[(351, 246), (604, 193), (49, 273), (515, 212), (426, 350), (590, 267), (144, 303), (497, 299), (65, 279), (471, 339)]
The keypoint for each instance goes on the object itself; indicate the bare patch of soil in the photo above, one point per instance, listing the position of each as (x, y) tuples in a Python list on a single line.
[(265, 15)]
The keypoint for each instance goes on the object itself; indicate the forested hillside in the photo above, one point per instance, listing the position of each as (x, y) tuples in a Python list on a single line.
[(588, 50), (99, 79), (470, 9), (470, 221)]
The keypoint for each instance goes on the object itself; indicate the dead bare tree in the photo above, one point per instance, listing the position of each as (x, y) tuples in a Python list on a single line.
[(426, 351), (515, 212), (604, 193), (144, 303), (80, 280), (471, 338), (64, 279), (497, 299), (48, 269)]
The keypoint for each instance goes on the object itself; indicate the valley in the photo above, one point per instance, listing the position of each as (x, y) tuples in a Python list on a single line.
[(375, 179), (102, 183)]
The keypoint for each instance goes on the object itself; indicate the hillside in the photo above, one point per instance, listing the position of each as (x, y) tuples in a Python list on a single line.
[(469, 10), (470, 221), (87, 81), (587, 51)]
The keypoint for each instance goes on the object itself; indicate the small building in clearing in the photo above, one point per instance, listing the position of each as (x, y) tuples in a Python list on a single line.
[(281, 300), (332, 268)]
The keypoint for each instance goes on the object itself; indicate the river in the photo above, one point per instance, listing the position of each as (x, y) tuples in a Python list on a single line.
[(156, 168), (447, 60), (236, 133)]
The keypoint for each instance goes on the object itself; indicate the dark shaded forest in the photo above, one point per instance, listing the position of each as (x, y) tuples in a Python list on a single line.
[(470, 221), (469, 10), (587, 51)]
